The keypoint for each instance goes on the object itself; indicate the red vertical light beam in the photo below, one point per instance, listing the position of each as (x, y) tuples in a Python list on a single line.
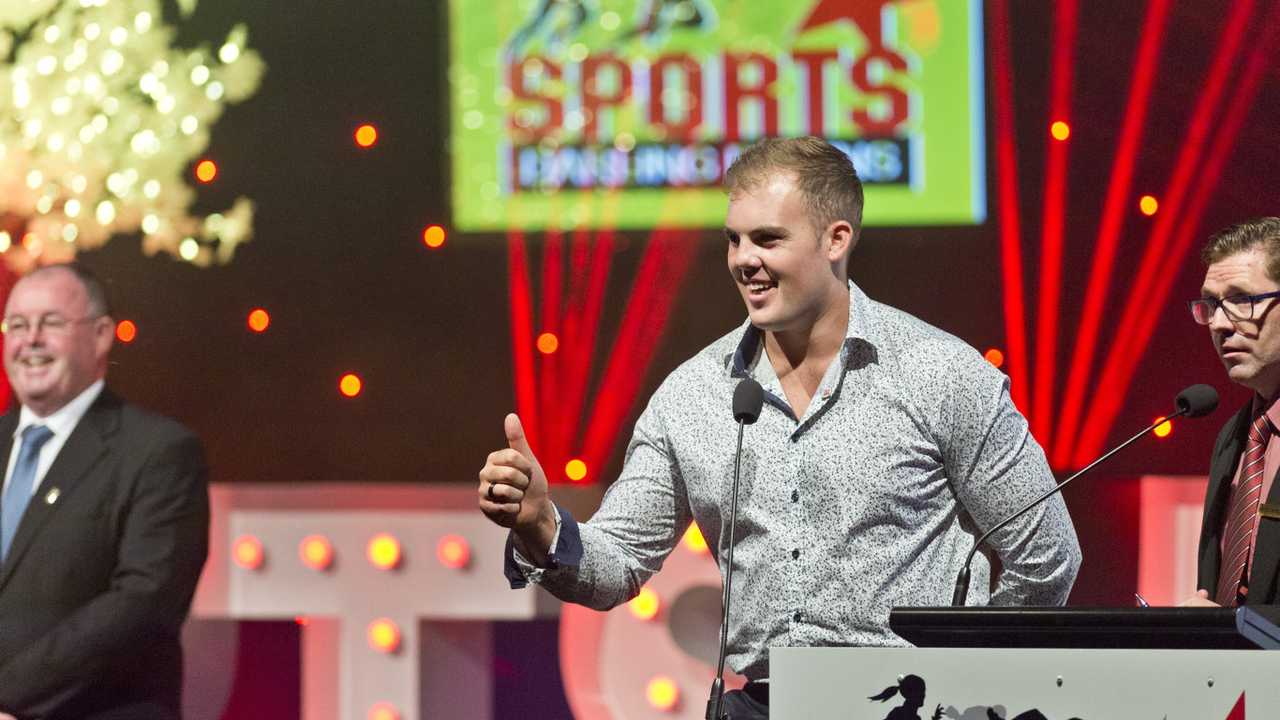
[(658, 281), (1113, 214), (1015, 323), (1117, 370), (554, 449), (1055, 190), (522, 334), (586, 311), (569, 382)]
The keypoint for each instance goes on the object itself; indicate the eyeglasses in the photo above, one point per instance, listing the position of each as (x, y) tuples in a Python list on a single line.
[(1236, 307), (18, 326)]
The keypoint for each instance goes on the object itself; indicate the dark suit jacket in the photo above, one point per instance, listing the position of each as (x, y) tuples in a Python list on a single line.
[(97, 584), (1222, 469)]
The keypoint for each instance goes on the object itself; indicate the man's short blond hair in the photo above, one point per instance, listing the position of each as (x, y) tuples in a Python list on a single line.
[(1263, 233), (824, 175)]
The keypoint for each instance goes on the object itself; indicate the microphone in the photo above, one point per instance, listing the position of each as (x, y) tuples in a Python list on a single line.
[(748, 400), (1195, 401)]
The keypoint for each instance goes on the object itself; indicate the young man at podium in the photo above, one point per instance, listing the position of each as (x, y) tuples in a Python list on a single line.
[(883, 447)]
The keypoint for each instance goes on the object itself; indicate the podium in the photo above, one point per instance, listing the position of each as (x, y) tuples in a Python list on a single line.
[(1241, 628), (1050, 663)]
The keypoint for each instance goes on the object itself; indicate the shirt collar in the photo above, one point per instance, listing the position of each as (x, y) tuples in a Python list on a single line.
[(740, 362), (64, 419)]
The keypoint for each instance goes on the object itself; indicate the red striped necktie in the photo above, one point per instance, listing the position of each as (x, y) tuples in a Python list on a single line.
[(1242, 519)]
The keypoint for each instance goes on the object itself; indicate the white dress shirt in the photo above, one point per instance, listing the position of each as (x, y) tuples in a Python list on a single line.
[(61, 422), (869, 499)]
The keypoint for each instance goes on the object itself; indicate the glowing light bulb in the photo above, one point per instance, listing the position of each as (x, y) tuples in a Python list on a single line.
[(383, 551), (384, 635), (316, 552), (350, 385), (548, 343), (259, 320), (366, 135), (248, 553), (694, 540), (454, 552), (662, 693), (433, 237), (645, 606)]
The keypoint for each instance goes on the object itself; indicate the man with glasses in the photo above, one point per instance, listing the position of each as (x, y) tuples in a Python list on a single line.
[(1239, 550), (104, 519)]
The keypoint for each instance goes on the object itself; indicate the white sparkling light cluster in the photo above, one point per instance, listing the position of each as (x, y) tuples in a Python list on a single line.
[(102, 121)]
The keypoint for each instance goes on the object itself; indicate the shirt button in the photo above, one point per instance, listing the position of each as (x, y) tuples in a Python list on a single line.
[(796, 617), (795, 496), (795, 554)]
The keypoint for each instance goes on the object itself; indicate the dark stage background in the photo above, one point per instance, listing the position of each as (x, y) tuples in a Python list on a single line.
[(338, 260), (337, 257)]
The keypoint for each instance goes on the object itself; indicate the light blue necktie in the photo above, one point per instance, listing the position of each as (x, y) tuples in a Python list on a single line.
[(18, 494)]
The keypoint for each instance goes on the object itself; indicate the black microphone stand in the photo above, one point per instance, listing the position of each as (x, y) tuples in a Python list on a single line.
[(962, 580), (717, 686)]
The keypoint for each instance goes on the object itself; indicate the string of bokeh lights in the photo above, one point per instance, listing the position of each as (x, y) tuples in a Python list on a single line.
[(382, 550), (350, 384)]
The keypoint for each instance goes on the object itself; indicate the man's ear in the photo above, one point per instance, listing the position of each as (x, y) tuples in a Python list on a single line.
[(841, 239), (104, 334)]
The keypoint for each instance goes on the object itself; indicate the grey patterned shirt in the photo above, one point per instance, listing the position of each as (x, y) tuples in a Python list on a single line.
[(872, 499)]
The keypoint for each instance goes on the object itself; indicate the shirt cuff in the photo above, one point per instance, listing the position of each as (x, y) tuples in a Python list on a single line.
[(565, 551)]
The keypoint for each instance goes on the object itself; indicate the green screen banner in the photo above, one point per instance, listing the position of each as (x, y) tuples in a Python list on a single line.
[(625, 113)]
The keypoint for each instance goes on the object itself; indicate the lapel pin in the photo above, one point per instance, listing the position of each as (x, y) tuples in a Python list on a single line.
[(52, 496)]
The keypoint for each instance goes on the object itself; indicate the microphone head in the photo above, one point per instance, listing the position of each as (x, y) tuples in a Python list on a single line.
[(1197, 400), (748, 399)]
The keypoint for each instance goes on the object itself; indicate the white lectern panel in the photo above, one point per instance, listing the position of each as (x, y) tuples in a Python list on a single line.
[(964, 683)]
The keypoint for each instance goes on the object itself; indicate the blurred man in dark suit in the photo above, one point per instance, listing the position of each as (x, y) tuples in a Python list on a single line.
[(104, 519)]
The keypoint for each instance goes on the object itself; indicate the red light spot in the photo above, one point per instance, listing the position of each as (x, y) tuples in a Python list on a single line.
[(1164, 428), (366, 135), (1060, 130), (548, 343), (454, 552), (994, 356), (126, 331), (384, 635), (248, 553), (433, 237), (316, 552), (259, 320), (694, 540), (350, 385), (645, 606), (662, 693), (1148, 205), (206, 171)]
